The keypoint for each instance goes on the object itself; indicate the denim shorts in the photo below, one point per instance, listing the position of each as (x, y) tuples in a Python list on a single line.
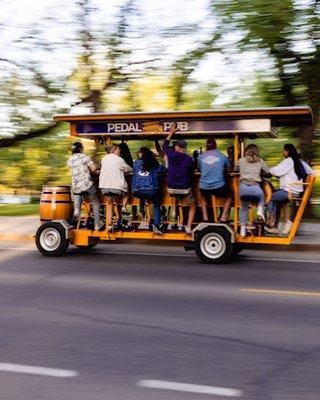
[(183, 195)]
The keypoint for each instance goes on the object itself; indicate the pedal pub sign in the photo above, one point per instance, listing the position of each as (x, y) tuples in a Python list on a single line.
[(161, 128)]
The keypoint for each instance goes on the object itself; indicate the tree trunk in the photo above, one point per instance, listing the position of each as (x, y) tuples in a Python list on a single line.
[(6, 142), (305, 136)]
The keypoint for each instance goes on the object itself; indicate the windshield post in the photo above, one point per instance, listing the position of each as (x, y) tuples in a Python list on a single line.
[(236, 182)]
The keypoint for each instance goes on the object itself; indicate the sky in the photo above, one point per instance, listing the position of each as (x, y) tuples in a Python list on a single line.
[(19, 16)]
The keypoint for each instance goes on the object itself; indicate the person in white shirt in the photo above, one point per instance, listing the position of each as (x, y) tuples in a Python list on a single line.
[(81, 167), (292, 172), (112, 180)]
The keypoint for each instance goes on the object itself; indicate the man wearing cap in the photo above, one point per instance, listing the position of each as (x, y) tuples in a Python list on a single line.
[(180, 173), (213, 166), (80, 167)]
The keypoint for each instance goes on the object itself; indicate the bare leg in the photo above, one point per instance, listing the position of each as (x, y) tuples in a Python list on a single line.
[(204, 208), (125, 200), (124, 204), (191, 214), (286, 213), (109, 212), (226, 208)]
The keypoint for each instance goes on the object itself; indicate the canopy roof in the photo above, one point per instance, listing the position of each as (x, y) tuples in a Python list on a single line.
[(259, 122)]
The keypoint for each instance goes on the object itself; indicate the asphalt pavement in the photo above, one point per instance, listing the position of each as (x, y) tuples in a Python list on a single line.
[(142, 322)]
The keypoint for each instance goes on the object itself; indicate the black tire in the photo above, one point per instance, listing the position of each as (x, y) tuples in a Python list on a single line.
[(213, 245), (51, 239), (237, 248)]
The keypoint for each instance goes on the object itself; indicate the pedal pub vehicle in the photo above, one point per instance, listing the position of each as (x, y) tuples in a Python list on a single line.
[(213, 242)]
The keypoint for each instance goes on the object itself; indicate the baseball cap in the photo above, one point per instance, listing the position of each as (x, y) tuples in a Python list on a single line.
[(181, 143), (211, 144), (76, 146)]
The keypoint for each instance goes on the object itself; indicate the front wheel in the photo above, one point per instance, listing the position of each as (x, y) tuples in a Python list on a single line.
[(213, 245), (51, 239)]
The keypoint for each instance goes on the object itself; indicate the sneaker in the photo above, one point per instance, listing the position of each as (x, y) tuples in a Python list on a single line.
[(124, 211), (187, 231), (243, 231), (98, 227), (260, 215), (274, 231), (287, 228), (156, 230)]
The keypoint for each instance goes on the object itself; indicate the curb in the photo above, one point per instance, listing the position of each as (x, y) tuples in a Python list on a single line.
[(15, 237)]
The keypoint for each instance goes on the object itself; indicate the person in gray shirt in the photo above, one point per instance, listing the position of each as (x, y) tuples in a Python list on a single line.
[(250, 168)]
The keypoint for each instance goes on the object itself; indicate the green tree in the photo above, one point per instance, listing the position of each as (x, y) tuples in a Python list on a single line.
[(105, 63), (288, 33)]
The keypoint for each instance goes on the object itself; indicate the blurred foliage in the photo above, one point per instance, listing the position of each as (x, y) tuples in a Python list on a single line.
[(287, 33), (7, 210)]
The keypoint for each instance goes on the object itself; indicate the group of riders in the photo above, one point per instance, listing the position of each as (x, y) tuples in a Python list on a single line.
[(214, 168)]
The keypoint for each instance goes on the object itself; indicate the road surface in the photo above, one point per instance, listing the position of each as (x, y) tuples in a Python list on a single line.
[(132, 322)]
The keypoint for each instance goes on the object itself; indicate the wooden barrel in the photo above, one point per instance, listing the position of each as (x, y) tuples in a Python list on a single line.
[(55, 203)]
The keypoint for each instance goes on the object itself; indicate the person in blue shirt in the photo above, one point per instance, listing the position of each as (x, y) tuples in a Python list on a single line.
[(145, 183), (213, 166)]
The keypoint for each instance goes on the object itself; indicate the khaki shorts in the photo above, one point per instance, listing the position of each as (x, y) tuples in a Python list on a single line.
[(184, 196)]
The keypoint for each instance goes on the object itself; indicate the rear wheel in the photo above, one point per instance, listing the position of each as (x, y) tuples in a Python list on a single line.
[(213, 245), (51, 239)]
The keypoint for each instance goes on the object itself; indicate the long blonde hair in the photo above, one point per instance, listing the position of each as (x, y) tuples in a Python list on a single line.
[(252, 153), (112, 148)]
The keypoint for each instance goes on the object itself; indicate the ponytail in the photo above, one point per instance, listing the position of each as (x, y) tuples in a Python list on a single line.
[(297, 164)]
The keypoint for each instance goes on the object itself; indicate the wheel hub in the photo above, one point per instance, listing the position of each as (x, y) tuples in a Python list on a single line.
[(213, 245), (50, 239)]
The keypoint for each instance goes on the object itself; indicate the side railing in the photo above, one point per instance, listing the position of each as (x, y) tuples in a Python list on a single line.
[(303, 203)]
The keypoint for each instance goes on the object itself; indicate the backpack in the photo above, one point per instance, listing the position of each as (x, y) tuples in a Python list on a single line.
[(143, 183)]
